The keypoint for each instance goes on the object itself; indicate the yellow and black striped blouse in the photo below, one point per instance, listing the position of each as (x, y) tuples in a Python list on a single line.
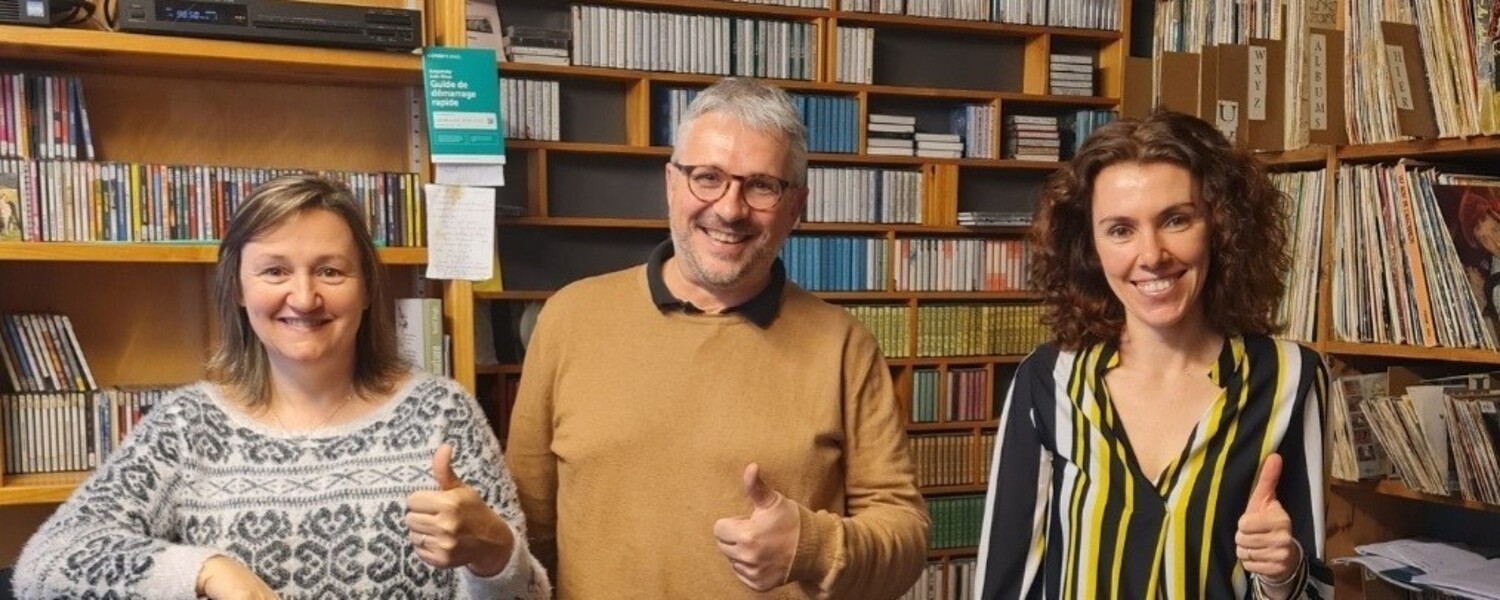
[(1070, 515)]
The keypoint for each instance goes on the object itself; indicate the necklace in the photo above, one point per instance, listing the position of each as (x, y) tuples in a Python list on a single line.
[(326, 419)]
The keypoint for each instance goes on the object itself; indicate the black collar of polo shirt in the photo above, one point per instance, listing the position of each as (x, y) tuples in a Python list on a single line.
[(760, 310)]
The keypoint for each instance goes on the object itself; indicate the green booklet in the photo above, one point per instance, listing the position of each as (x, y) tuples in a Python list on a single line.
[(461, 86)]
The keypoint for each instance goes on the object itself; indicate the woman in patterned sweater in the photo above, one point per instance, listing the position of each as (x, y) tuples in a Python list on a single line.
[(313, 463), (1162, 447)]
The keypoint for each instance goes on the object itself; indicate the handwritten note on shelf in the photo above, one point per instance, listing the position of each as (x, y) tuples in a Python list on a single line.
[(460, 232)]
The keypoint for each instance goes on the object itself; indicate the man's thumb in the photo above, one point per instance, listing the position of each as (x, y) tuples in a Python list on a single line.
[(442, 468), (760, 495), (1265, 486)]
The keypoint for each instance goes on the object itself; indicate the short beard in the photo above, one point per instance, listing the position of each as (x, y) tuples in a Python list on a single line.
[(700, 273)]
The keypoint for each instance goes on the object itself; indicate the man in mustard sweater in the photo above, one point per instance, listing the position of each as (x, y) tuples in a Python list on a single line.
[(698, 426)]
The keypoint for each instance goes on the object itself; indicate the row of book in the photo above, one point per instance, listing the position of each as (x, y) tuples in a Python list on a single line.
[(953, 330), (1421, 69), (1303, 193), (945, 459), (50, 432), (1032, 137), (1414, 259), (1070, 75), (920, 264), (531, 110), (74, 201), (863, 195), (994, 218), (979, 330), (1092, 14), (897, 135), (540, 45), (43, 116), (855, 60), (955, 395), (1077, 126), (956, 520), (693, 43), (961, 265), (1435, 436), (836, 263), (935, 583), (975, 123), (1425, 70), (829, 119), (41, 353)]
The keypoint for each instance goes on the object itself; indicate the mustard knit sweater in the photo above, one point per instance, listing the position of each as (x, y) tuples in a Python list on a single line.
[(633, 426)]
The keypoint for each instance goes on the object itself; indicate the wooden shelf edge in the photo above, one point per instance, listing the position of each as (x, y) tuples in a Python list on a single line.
[(40, 488), (724, 7), (995, 28), (498, 369), (1424, 148), (112, 51), (1469, 355), (1387, 487), (814, 158), (1310, 156), (805, 227), (1008, 359), (965, 552), (943, 490), (166, 253), (954, 426)]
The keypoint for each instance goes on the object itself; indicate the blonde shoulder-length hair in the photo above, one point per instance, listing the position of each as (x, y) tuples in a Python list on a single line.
[(239, 362)]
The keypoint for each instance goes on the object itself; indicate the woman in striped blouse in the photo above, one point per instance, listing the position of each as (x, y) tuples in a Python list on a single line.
[(1162, 446)]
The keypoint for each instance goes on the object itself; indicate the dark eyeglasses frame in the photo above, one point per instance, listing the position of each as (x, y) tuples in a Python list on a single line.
[(687, 171)]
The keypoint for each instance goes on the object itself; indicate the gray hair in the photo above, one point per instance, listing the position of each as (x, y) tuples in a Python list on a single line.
[(239, 361), (760, 106)]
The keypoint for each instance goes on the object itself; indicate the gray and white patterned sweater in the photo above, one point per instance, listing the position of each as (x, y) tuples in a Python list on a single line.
[(314, 515)]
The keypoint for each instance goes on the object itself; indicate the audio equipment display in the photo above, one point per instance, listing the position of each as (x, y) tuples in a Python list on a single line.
[(278, 21), (207, 13)]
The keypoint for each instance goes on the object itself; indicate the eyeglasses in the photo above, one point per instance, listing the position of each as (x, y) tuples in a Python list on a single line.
[(709, 184)]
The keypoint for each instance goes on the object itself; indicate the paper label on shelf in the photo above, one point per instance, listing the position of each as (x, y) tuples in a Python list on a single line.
[(1396, 60), (1258, 83), (1227, 118), (1318, 76), (461, 87), (460, 232)]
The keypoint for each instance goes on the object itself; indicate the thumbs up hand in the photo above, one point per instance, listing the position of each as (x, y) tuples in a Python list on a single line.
[(1264, 542), (760, 547), (453, 527)]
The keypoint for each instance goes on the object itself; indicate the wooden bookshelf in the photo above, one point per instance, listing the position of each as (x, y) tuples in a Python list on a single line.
[(84, 50), (155, 253), (40, 488)]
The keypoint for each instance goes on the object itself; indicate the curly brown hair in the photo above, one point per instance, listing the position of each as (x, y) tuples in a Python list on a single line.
[(1246, 217)]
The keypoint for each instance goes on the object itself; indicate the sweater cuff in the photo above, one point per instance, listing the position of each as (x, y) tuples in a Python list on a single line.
[(512, 580), (816, 556), (175, 572)]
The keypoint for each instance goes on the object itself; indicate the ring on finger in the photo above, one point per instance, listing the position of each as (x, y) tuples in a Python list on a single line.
[(422, 540)]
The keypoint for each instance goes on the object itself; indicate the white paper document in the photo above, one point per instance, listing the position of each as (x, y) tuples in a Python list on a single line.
[(460, 232)]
